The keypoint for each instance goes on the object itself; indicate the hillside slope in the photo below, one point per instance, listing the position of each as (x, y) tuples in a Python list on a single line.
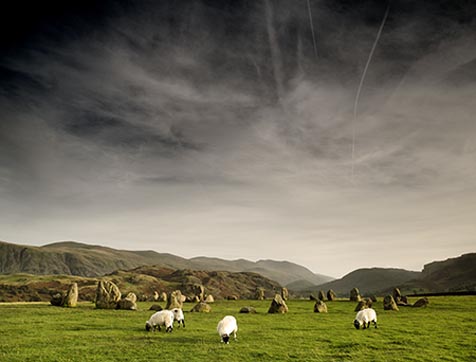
[(450, 275), (368, 281), (283, 271), (73, 258), (143, 281)]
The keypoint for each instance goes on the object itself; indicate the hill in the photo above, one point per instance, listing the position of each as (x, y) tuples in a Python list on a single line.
[(73, 258), (368, 281), (451, 275), (143, 281), (283, 271)]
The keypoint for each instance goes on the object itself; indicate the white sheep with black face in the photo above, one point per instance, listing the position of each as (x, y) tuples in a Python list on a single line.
[(226, 327), (364, 317), (178, 316), (161, 318)]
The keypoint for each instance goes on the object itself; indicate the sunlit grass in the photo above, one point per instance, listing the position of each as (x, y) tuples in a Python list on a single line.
[(444, 331)]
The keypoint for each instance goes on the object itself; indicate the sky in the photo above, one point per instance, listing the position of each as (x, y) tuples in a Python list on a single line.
[(334, 134)]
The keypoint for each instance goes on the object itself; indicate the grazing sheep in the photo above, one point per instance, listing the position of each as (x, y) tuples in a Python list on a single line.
[(161, 318), (364, 317), (178, 316), (226, 327)]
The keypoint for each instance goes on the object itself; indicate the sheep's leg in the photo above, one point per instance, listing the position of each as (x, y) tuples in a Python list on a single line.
[(375, 324), (234, 334)]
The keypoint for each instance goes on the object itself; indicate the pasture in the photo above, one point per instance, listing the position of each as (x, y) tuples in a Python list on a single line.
[(443, 331)]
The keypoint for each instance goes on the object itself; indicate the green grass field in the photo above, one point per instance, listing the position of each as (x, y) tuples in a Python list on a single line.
[(443, 331)]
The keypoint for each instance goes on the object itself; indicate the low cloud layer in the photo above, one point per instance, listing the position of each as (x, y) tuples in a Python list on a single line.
[(198, 134)]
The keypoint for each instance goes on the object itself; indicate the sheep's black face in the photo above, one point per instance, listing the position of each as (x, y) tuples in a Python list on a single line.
[(356, 324), (148, 327), (225, 338)]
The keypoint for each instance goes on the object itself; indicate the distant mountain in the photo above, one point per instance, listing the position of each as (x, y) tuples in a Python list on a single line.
[(282, 271), (451, 275), (368, 281), (73, 258)]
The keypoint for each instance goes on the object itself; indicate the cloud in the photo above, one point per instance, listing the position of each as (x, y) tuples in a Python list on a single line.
[(125, 134)]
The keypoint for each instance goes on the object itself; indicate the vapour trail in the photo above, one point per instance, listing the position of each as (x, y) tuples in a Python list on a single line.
[(312, 27), (275, 51), (359, 89)]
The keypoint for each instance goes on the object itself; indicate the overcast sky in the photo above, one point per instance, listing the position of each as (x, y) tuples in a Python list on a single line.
[(232, 129)]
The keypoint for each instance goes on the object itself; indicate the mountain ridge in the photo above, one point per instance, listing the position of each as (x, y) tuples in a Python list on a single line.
[(75, 258)]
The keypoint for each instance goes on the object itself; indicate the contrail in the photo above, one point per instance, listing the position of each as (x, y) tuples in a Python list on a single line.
[(359, 89), (312, 27), (275, 51)]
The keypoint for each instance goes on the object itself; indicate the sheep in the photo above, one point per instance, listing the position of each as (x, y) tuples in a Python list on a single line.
[(178, 316), (226, 327), (364, 317), (161, 318)]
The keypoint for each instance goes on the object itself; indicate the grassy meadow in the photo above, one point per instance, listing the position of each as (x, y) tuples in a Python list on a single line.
[(443, 331)]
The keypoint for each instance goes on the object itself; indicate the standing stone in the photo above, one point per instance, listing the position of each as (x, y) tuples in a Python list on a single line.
[(199, 291), (278, 305), (364, 303), (57, 300), (389, 303), (259, 294), (320, 307), (202, 307), (163, 297), (156, 296), (71, 298), (284, 293), (355, 295), (321, 295), (397, 295), (331, 295), (107, 295), (312, 297), (155, 307), (373, 298), (209, 299), (174, 300), (422, 302), (128, 303), (251, 310)]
